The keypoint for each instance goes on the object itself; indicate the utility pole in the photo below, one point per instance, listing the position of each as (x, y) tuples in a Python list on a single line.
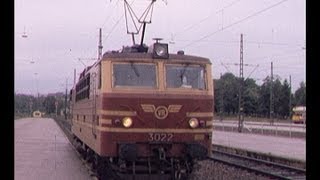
[(100, 45), (37, 102), (290, 97), (222, 104), (271, 95), (66, 100), (74, 76), (99, 51), (30, 106), (240, 114), (56, 105)]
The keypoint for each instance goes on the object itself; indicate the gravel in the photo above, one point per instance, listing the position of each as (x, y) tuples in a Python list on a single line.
[(209, 170)]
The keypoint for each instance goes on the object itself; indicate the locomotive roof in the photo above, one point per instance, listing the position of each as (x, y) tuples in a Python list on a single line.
[(135, 55), (130, 55)]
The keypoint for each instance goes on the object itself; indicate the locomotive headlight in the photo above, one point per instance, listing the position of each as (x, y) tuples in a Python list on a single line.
[(127, 122), (193, 122), (160, 50)]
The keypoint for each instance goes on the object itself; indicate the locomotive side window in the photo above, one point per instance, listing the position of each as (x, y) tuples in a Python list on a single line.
[(185, 76), (134, 74), (99, 76), (83, 88)]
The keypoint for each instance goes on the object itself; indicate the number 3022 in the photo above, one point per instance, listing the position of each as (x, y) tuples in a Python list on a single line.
[(160, 137)]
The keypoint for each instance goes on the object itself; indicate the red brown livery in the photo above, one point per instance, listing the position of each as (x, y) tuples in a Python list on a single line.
[(148, 112)]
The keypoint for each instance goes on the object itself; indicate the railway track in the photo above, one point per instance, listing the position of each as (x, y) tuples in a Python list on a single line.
[(260, 167)]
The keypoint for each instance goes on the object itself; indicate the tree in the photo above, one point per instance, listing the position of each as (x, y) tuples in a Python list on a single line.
[(23, 103), (49, 104), (26, 104), (264, 98), (277, 96), (218, 96), (230, 91), (250, 96), (300, 95), (284, 97), (226, 94)]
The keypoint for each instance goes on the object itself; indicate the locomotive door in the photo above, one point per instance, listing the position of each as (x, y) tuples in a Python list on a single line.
[(94, 105)]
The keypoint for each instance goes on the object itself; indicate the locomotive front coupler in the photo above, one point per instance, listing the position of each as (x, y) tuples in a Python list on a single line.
[(160, 153)]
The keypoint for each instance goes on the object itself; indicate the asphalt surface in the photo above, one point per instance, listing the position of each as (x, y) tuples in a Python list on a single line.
[(293, 148), (43, 152)]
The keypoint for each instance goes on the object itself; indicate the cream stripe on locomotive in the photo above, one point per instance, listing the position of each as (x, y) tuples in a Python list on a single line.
[(148, 109), (146, 130), (209, 122), (105, 121), (153, 130), (199, 114), (118, 113)]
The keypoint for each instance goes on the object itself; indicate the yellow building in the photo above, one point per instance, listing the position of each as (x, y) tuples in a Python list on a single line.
[(36, 114), (299, 114)]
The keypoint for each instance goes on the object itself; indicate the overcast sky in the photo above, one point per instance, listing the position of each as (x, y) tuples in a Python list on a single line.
[(60, 32)]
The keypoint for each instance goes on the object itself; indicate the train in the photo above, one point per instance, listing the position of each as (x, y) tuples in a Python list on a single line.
[(299, 114), (37, 114), (142, 110)]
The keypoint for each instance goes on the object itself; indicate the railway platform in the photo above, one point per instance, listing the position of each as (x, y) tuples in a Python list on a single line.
[(289, 130), (291, 148), (42, 151)]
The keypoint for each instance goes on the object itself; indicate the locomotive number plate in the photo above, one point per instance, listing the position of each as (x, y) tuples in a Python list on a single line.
[(160, 137)]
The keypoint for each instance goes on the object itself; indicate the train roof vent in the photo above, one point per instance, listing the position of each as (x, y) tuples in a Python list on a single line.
[(180, 52), (134, 49)]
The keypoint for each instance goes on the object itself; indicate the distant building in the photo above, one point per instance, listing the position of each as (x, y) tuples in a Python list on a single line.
[(37, 114), (299, 114)]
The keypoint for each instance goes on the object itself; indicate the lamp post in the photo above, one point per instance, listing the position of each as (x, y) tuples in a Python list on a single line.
[(37, 95), (66, 99), (56, 104)]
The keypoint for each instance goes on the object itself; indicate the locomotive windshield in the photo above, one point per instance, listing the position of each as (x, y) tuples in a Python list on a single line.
[(185, 76), (134, 74)]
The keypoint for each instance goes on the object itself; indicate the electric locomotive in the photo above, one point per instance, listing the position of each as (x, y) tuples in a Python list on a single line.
[(142, 110)]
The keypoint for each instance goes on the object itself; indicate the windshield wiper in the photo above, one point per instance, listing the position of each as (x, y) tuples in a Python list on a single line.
[(135, 70), (184, 70)]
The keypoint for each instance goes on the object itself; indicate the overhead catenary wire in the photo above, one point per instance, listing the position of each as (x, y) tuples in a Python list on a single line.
[(108, 17), (237, 22), (117, 22), (247, 42), (206, 18), (141, 19), (277, 55), (115, 25), (103, 24)]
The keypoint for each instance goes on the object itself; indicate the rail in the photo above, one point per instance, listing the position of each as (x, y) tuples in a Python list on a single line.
[(265, 168)]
